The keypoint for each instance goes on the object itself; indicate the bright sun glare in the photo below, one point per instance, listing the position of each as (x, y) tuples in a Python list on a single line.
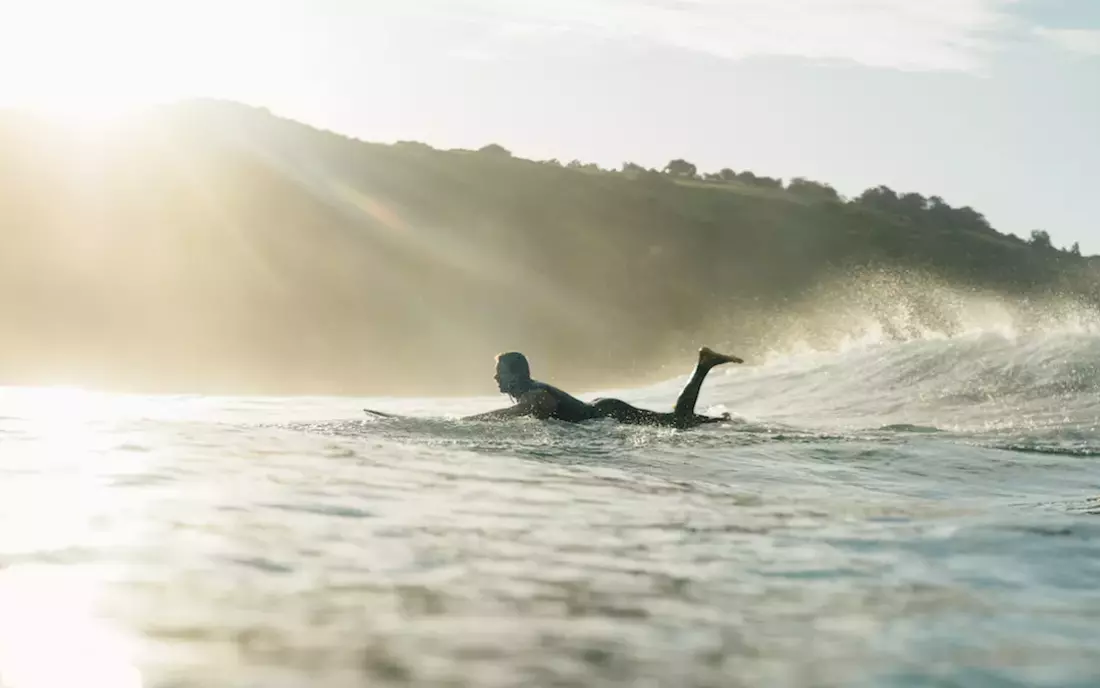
[(87, 64), (92, 96), (55, 500), (82, 110)]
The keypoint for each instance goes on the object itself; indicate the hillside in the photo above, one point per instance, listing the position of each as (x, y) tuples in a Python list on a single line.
[(214, 247)]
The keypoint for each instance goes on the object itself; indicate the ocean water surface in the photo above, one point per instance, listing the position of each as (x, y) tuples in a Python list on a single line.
[(894, 514)]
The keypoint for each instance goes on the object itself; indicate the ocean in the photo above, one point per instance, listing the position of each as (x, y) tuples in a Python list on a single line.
[(887, 513)]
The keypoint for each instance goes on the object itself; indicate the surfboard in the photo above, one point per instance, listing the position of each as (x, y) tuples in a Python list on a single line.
[(382, 414)]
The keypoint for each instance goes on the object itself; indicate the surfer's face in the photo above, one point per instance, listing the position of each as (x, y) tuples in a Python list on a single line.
[(507, 380)]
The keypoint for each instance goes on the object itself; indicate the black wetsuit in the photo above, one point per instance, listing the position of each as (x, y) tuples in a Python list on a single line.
[(567, 407), (571, 409)]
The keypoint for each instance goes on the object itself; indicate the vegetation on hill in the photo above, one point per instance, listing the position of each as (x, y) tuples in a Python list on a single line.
[(214, 247)]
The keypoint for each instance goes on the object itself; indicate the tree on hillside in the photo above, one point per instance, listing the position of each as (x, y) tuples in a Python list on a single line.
[(1075, 249), (913, 204), (748, 177), (681, 168), (495, 149), (727, 175), (652, 179), (938, 210), (414, 146), (807, 188), (1040, 238), (581, 165), (971, 219), (769, 182), (632, 168), (880, 198)]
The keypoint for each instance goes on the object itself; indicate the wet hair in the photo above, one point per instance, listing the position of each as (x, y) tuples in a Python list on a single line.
[(515, 363)]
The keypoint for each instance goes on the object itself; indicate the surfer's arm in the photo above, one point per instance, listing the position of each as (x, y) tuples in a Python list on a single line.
[(537, 403), (516, 411)]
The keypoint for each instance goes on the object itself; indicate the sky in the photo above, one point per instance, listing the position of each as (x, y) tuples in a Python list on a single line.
[(993, 104)]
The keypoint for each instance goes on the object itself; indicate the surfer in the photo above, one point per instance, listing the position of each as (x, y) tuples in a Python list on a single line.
[(540, 400)]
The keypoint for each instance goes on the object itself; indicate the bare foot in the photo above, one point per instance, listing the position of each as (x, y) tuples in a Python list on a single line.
[(710, 358)]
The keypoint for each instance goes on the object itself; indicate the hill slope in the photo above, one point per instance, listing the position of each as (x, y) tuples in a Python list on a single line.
[(215, 247)]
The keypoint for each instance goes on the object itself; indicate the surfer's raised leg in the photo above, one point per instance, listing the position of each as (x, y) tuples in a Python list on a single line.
[(685, 405)]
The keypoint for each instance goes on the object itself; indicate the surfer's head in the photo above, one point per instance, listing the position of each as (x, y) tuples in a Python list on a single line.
[(513, 374)]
